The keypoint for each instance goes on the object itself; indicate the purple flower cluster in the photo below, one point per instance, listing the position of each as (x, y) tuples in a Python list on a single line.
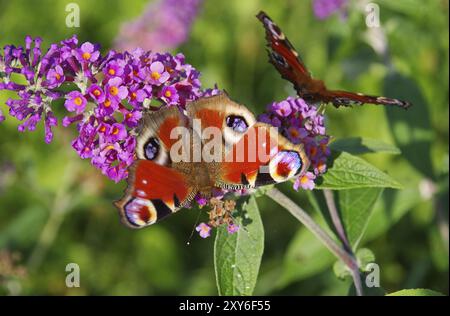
[(164, 25), (301, 123), (324, 8), (36, 94), (107, 94)]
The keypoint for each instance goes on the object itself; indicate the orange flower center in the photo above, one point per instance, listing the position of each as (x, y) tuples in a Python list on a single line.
[(97, 92), (111, 71), (304, 179), (294, 132), (78, 101), (58, 76), (115, 131), (156, 75), (133, 95), (168, 93), (107, 103), (86, 56), (113, 90)]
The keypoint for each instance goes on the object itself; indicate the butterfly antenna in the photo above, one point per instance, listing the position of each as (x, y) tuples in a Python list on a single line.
[(193, 228)]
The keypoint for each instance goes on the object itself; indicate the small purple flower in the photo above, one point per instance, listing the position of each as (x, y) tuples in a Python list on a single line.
[(201, 201), (117, 132), (96, 93), (282, 108), (158, 74), (87, 53), (106, 108), (138, 95), (115, 89), (75, 102), (30, 123), (232, 228), (117, 173), (55, 77), (295, 134), (204, 230), (50, 121), (306, 181), (131, 118), (67, 120), (324, 8), (84, 143), (114, 68), (169, 95)]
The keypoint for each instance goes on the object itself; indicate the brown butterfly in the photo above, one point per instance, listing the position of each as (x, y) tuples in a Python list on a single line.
[(289, 64)]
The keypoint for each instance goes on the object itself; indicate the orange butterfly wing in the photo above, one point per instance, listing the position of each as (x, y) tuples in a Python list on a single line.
[(153, 192), (262, 156)]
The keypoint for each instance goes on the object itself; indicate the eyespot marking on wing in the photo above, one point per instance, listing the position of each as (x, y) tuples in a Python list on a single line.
[(285, 165), (140, 212), (237, 123)]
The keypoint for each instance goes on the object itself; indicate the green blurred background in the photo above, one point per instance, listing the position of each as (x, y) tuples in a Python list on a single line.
[(56, 208)]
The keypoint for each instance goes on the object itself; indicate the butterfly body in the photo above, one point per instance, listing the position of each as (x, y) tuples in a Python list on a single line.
[(215, 145), (288, 63)]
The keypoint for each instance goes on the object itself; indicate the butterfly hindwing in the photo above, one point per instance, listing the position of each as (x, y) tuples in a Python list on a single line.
[(153, 192), (262, 156)]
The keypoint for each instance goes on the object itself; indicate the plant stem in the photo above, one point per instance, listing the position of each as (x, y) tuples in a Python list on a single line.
[(335, 218), (329, 198), (348, 259)]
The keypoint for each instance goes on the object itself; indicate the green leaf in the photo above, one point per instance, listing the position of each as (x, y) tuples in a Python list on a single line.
[(351, 172), (356, 208), (237, 256), (358, 145), (388, 210), (415, 292), (364, 257), (341, 270)]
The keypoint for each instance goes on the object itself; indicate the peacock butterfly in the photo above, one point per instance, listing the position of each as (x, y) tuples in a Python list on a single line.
[(291, 67), (214, 144)]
